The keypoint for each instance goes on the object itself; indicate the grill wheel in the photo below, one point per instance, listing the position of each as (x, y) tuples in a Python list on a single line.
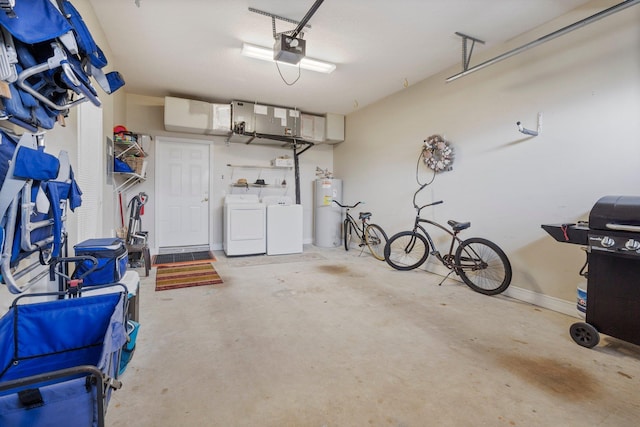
[(584, 334)]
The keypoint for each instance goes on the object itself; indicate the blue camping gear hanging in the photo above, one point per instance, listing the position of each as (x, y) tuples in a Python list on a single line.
[(121, 166), (109, 82), (35, 21), (36, 164), (49, 59), (75, 194), (112, 257)]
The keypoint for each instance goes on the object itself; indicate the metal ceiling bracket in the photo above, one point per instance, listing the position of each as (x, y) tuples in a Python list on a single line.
[(466, 57), (562, 31), (273, 21)]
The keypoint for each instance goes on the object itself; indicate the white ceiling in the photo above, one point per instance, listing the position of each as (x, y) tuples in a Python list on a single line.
[(191, 48)]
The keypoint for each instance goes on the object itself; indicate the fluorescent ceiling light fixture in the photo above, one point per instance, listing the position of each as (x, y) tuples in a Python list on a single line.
[(266, 54)]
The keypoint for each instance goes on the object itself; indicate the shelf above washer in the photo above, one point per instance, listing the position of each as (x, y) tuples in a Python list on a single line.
[(258, 167)]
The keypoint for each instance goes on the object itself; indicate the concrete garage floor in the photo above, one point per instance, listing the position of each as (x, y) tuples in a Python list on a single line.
[(329, 338)]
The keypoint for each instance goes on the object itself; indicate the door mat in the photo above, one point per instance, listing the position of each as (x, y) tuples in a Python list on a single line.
[(183, 258), (184, 276), (250, 261)]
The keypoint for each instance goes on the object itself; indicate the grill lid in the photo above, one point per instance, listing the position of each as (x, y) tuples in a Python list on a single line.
[(620, 213)]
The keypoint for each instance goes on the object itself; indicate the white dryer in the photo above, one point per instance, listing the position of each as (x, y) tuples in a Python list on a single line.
[(284, 225), (245, 225)]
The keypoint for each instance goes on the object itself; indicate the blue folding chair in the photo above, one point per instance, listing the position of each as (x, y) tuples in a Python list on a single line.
[(48, 58), (35, 190)]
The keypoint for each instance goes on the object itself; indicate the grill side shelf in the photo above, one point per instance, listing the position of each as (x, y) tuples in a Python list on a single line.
[(568, 233)]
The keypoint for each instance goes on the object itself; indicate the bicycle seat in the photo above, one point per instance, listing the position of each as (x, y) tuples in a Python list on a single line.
[(458, 226), (364, 215)]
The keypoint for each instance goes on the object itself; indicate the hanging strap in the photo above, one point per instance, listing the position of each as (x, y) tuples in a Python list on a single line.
[(12, 185)]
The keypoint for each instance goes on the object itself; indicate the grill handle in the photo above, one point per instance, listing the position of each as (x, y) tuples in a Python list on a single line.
[(622, 227)]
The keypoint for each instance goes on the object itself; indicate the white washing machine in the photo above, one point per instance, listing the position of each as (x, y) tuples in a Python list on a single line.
[(245, 231), (284, 225)]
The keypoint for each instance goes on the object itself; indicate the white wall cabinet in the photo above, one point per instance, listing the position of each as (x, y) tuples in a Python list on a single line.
[(312, 128)]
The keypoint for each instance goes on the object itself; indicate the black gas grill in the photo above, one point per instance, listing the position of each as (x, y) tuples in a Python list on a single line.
[(612, 238)]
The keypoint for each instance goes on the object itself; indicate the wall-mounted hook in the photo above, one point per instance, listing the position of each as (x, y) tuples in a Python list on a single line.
[(526, 131)]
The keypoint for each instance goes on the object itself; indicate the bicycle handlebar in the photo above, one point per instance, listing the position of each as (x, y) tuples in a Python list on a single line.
[(419, 208), (346, 206), (415, 205), (434, 203)]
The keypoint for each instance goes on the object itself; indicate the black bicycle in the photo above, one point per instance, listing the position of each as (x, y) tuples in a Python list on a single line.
[(481, 264), (370, 235)]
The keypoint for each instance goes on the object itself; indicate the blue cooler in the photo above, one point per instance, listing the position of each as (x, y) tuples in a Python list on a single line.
[(112, 257), (130, 346)]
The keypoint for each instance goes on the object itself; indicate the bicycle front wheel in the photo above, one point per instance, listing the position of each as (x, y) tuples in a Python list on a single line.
[(483, 266), (376, 238), (406, 250), (347, 230)]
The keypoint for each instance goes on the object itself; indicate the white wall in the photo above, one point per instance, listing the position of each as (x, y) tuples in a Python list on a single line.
[(145, 114), (586, 85)]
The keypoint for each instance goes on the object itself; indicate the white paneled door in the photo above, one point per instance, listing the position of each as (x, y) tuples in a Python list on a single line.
[(182, 191)]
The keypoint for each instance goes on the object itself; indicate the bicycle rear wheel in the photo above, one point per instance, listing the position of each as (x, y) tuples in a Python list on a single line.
[(376, 238), (347, 230), (406, 250), (483, 266)]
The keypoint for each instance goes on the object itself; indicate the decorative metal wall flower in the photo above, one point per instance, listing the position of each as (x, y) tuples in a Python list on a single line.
[(437, 153)]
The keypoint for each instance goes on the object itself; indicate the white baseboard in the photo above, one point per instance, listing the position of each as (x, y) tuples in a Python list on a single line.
[(544, 301)]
